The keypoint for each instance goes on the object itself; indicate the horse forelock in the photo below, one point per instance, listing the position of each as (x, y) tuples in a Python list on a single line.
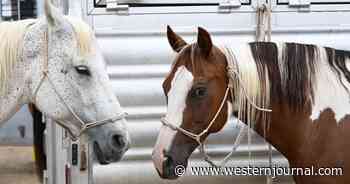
[(84, 36), (191, 57)]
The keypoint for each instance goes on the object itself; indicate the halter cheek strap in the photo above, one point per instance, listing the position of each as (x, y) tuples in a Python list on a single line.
[(197, 137), (83, 125)]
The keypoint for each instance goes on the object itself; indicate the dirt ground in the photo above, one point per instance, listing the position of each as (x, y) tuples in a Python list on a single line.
[(17, 165)]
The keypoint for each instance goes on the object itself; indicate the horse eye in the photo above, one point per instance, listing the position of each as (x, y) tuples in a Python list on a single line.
[(199, 92), (83, 70)]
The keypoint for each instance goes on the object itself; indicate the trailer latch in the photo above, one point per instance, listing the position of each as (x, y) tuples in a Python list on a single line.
[(112, 5), (230, 4), (299, 3)]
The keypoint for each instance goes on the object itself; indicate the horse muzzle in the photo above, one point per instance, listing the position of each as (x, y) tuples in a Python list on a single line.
[(170, 163), (109, 143)]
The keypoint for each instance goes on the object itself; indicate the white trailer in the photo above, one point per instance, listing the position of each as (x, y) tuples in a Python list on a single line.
[(131, 35)]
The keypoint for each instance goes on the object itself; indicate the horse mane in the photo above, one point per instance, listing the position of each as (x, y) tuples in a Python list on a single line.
[(285, 73), (12, 37), (252, 83), (84, 35), (292, 69)]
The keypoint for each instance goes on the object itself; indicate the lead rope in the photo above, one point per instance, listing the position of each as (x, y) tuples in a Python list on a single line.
[(263, 33)]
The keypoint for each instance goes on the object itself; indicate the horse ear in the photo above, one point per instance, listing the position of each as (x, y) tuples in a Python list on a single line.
[(204, 41), (175, 41), (53, 16)]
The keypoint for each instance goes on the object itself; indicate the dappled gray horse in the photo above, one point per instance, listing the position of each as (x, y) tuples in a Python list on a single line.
[(54, 63)]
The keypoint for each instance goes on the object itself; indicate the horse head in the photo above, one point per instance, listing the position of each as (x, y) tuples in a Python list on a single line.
[(69, 84), (195, 90)]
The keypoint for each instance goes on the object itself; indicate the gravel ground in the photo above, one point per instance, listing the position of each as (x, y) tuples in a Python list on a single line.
[(17, 165)]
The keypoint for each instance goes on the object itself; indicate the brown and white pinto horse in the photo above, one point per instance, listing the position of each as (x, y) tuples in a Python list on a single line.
[(306, 87)]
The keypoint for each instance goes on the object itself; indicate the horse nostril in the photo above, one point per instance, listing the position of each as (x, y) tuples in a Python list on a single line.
[(118, 141), (168, 161)]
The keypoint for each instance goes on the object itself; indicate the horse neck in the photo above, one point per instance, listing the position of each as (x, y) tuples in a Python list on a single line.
[(18, 92), (287, 129), (284, 123)]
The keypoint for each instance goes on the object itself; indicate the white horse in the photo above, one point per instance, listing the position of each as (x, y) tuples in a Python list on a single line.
[(54, 63)]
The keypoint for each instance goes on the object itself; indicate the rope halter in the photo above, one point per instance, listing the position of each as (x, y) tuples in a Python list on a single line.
[(84, 126), (233, 74)]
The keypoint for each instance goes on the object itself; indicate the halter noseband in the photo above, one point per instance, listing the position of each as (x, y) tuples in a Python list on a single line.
[(84, 126), (232, 73)]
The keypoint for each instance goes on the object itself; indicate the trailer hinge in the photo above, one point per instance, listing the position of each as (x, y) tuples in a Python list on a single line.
[(229, 4), (299, 3), (112, 5)]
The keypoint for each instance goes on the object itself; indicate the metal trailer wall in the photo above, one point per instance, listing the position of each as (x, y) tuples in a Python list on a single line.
[(138, 55)]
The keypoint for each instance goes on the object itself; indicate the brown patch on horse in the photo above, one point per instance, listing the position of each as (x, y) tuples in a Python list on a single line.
[(325, 145)]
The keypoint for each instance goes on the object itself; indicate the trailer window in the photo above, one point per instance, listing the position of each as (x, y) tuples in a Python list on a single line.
[(315, 2), (142, 3)]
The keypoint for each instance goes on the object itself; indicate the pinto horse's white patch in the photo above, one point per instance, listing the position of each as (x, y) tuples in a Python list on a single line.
[(329, 92), (180, 86)]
